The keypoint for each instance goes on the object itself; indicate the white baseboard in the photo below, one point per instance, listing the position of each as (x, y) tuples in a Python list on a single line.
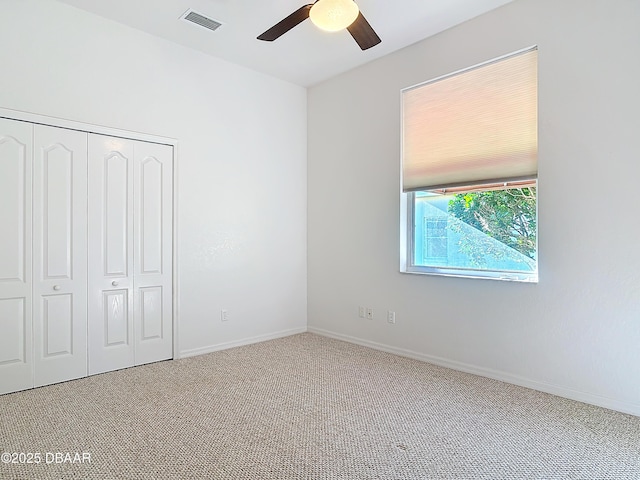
[(600, 401), (239, 343)]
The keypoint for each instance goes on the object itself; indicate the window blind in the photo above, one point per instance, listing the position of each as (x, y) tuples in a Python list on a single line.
[(477, 126)]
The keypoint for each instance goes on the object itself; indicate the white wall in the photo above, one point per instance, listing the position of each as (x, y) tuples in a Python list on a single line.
[(242, 156), (577, 332)]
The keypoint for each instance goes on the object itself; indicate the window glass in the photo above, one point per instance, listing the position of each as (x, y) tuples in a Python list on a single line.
[(490, 230)]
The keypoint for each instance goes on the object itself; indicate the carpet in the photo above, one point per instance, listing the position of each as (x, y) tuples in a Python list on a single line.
[(308, 407)]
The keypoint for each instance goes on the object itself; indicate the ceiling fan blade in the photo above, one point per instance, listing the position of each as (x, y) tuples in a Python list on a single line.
[(363, 33), (287, 24)]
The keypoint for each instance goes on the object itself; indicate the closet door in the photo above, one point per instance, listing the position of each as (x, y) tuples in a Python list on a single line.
[(153, 179), (59, 254), (16, 368), (110, 226)]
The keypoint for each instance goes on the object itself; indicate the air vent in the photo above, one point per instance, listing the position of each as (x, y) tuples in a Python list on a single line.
[(199, 19)]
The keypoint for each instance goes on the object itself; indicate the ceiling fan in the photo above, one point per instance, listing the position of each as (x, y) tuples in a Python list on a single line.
[(331, 16)]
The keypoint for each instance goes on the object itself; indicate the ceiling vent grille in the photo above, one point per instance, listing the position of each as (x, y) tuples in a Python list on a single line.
[(202, 20)]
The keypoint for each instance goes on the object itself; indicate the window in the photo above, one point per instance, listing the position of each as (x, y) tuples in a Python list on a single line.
[(469, 171)]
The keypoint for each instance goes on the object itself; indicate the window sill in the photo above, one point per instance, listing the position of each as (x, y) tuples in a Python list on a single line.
[(522, 277)]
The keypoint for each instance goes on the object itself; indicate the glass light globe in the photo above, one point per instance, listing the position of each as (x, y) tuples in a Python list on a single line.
[(333, 15)]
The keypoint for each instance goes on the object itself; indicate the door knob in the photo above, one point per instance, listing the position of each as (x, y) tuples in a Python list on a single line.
[(114, 283), (56, 287)]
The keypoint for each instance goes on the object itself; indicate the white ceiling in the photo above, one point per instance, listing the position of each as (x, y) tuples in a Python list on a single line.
[(305, 55)]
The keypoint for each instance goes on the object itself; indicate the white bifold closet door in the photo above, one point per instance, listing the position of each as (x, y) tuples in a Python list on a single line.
[(16, 367), (59, 254), (130, 253)]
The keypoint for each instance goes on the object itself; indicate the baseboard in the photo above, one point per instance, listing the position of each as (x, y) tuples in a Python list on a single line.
[(239, 343), (597, 400)]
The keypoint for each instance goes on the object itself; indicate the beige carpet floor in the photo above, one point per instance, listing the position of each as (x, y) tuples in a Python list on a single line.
[(309, 407)]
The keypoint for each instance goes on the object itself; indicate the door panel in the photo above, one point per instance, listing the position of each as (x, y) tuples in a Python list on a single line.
[(57, 195), (110, 232), (60, 254), (150, 215), (14, 327), (14, 211), (16, 368), (116, 318), (153, 258), (116, 213), (151, 313), (57, 318)]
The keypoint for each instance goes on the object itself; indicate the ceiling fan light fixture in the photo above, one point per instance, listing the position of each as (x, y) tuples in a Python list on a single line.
[(333, 15)]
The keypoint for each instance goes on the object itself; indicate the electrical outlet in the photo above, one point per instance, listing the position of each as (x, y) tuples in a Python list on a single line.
[(370, 313), (391, 317), (361, 312), (224, 315)]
